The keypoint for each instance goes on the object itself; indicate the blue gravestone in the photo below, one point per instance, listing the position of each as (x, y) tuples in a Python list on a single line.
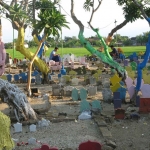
[(9, 77), (122, 91), (84, 106), (35, 73), (96, 105), (16, 77), (83, 94), (75, 94)]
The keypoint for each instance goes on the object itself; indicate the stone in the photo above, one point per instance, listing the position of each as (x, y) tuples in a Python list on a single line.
[(75, 94), (9, 77), (129, 82), (32, 128), (38, 79), (105, 82), (72, 74), (96, 76), (145, 89), (131, 91), (96, 105), (146, 78), (107, 94), (92, 90), (84, 106), (106, 147), (105, 132), (92, 80), (18, 127), (75, 81), (16, 78), (111, 143), (83, 94), (100, 122)]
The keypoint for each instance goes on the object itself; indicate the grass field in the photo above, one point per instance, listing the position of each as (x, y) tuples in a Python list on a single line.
[(79, 51)]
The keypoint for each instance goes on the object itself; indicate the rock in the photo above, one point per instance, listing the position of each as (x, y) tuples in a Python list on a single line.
[(106, 147), (111, 143), (105, 132)]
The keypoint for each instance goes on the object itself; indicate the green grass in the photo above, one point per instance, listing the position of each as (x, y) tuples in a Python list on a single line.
[(79, 51)]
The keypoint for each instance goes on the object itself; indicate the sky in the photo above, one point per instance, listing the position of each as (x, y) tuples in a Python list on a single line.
[(103, 19)]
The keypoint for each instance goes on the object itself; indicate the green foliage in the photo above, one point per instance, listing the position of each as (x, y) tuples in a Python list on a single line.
[(131, 11), (17, 13), (87, 5), (51, 20)]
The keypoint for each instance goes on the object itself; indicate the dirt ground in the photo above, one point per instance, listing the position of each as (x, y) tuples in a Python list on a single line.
[(68, 132)]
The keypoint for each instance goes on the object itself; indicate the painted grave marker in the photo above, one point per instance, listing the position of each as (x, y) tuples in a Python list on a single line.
[(75, 94)]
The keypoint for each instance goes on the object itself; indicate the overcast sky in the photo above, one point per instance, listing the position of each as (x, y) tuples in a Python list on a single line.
[(103, 19)]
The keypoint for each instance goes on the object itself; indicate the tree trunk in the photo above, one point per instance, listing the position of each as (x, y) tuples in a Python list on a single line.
[(30, 67), (20, 47)]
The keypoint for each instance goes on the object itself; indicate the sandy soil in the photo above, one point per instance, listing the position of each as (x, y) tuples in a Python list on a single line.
[(128, 134)]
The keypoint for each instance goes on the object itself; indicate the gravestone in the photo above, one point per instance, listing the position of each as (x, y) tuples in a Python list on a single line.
[(92, 80), (107, 94), (84, 106), (106, 82), (96, 76), (146, 78), (16, 78), (72, 74), (18, 127), (75, 81), (122, 91), (90, 145), (116, 95), (83, 94), (131, 91), (115, 79), (145, 89), (57, 90), (38, 79), (9, 77), (96, 106), (75, 94), (126, 62), (32, 128), (92, 90), (129, 82)]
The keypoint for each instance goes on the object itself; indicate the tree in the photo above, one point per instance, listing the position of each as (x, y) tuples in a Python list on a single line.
[(51, 21), (19, 14), (106, 58)]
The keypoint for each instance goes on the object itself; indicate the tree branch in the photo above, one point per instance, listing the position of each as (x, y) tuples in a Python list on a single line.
[(78, 22), (142, 10), (12, 3), (94, 10), (4, 5), (118, 27)]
